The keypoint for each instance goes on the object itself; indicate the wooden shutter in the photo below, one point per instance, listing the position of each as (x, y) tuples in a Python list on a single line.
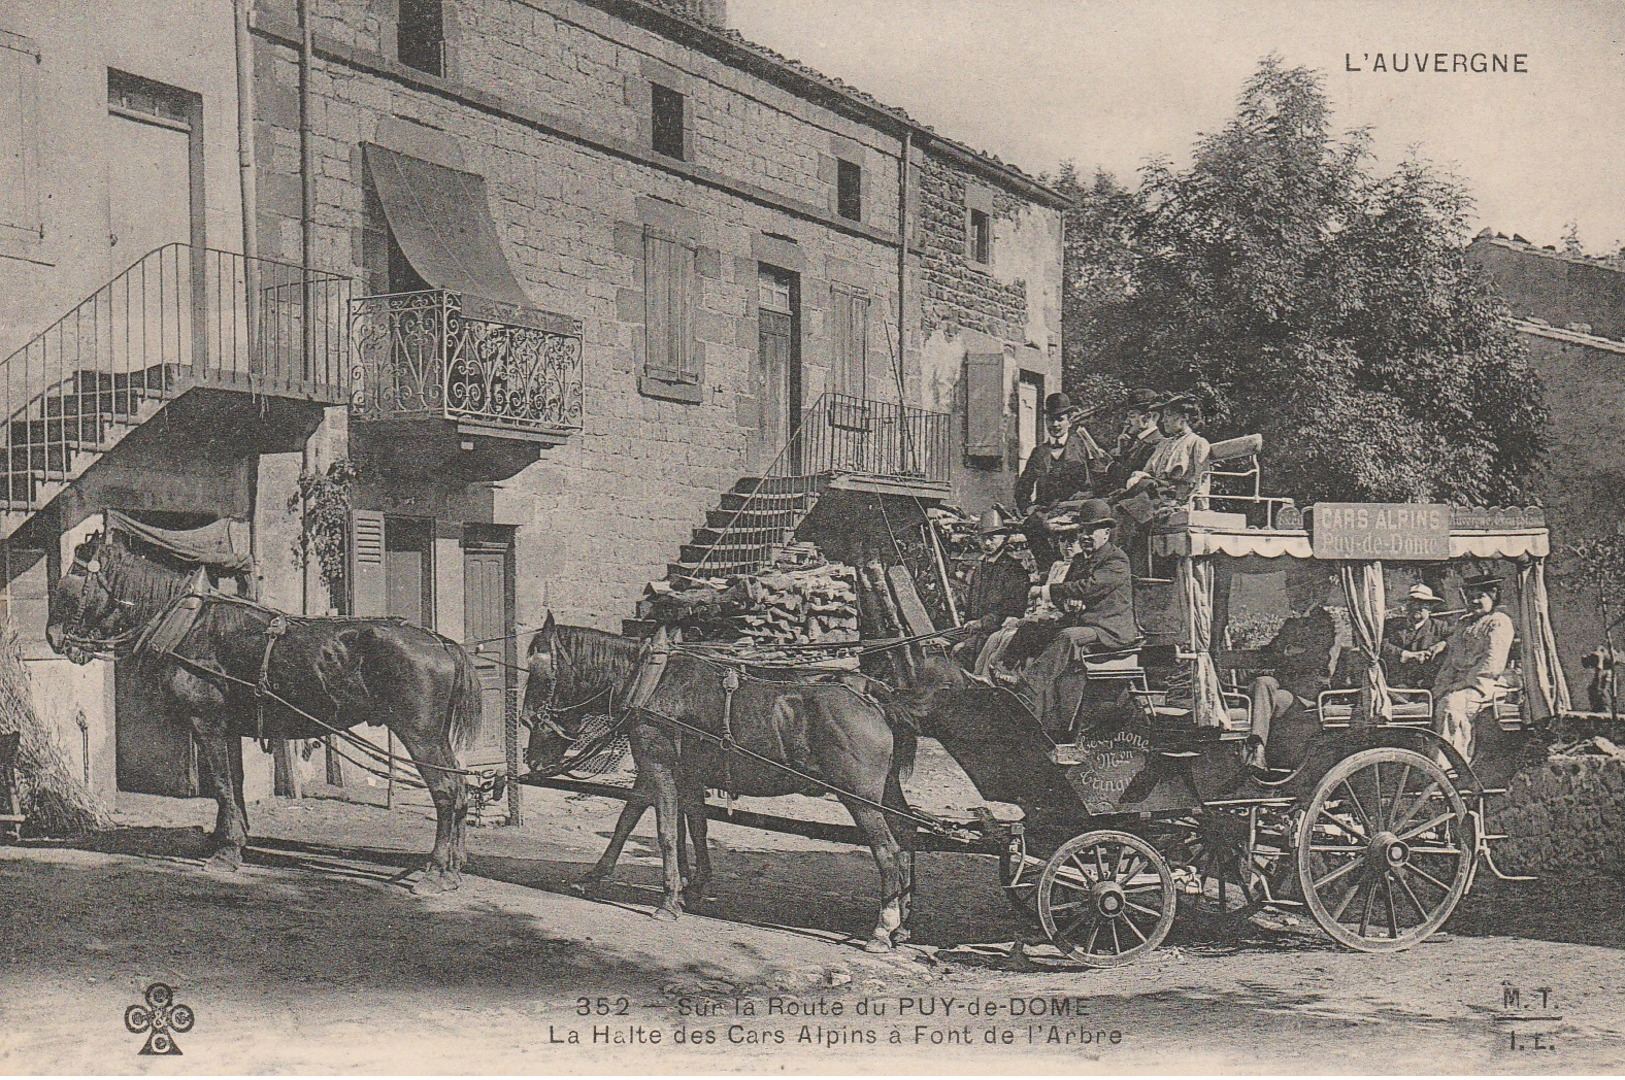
[(984, 404), (368, 589), (669, 295), (849, 342)]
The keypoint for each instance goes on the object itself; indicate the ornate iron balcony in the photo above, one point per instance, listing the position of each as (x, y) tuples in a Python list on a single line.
[(442, 355)]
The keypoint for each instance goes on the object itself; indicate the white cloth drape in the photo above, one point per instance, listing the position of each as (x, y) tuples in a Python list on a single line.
[(1545, 688), (1196, 588), (1367, 598)]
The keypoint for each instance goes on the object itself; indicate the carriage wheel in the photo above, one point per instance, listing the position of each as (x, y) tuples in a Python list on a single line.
[(1106, 898), (1018, 873), (1224, 858), (1384, 850)]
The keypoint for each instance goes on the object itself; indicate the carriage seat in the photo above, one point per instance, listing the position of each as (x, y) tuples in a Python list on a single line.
[(1237, 723), (1411, 707)]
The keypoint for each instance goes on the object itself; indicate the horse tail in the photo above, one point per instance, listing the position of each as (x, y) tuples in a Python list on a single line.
[(905, 735), (466, 706)]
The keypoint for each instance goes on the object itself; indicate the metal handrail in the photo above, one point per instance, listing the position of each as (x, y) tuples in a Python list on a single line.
[(178, 316)]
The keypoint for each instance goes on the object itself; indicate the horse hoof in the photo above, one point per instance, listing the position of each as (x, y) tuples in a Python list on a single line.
[(432, 881), (222, 862), (901, 935), (665, 913), (878, 944)]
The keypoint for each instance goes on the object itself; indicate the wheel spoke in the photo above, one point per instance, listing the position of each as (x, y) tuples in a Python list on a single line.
[(1427, 877), (1100, 865), (1435, 851), (1122, 854), (1068, 931), (1340, 849), (1359, 809), (1421, 912), (1155, 914), (1348, 898), (1347, 828), (1414, 808), (1399, 793), (1089, 948), (1335, 874), (1388, 896), (1117, 942), (1365, 916), (1376, 800), (1082, 869), (1420, 829), (1066, 906), (1145, 887), (1130, 924)]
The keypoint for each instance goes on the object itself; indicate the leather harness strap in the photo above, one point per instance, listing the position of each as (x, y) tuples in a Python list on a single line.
[(730, 684), (274, 630)]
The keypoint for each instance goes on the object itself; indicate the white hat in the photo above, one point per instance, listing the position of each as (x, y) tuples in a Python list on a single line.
[(1425, 594)]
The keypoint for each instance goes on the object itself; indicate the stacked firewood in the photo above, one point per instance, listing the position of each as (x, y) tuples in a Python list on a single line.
[(803, 600)]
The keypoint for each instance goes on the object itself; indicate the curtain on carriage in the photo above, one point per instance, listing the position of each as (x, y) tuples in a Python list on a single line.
[(1207, 694), (1367, 598), (1546, 690)]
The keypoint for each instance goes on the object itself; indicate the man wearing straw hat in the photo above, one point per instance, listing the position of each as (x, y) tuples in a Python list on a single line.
[(1410, 649), (1474, 658)]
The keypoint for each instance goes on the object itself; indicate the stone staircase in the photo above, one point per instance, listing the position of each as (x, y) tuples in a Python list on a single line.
[(52, 439), (739, 536)]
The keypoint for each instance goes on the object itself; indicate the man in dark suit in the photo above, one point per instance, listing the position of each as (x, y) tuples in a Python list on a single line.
[(1069, 465), (1096, 604), (1139, 438), (1410, 649)]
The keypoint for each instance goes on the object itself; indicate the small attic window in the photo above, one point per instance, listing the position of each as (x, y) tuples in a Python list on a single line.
[(420, 36), (849, 189), (666, 120)]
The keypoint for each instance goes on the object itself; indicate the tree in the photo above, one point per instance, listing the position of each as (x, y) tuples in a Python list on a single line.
[(1312, 299)]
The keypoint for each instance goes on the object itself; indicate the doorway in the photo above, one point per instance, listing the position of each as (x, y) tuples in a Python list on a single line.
[(1029, 395), (488, 627), (409, 570), (779, 359)]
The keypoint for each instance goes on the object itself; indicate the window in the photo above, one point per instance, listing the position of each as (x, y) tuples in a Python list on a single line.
[(420, 36), (666, 120), (19, 101), (849, 344), (670, 357), (849, 189), (981, 237)]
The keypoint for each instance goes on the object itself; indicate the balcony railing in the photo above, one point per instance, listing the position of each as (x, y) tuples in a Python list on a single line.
[(442, 355)]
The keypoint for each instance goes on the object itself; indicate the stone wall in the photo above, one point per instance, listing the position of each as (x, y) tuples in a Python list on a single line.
[(1565, 814)]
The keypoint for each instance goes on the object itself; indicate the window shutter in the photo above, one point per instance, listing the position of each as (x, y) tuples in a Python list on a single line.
[(849, 343), (368, 594), (669, 295), (984, 404)]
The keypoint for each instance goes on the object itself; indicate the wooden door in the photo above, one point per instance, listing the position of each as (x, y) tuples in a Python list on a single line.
[(488, 629), (779, 358), (1029, 392)]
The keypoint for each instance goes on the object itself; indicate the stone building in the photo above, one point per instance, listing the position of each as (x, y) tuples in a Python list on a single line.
[(589, 291), (1570, 312)]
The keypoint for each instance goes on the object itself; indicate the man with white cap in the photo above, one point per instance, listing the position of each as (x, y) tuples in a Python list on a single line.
[(1410, 649)]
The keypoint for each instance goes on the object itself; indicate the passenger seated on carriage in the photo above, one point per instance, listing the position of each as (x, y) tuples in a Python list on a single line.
[(1304, 660), (1178, 466), (1475, 659), (997, 587), (1094, 604)]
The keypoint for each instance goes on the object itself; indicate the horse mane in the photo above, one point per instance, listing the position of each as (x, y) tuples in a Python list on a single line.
[(610, 657), (149, 583)]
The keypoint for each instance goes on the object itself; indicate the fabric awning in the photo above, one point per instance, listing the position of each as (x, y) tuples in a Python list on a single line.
[(222, 544), (441, 218)]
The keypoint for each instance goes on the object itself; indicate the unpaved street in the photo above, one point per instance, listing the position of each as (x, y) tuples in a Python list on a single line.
[(316, 958)]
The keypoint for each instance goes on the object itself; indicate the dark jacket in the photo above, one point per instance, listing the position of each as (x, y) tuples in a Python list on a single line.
[(1046, 480), (1132, 456), (1102, 583), (1401, 636), (998, 588)]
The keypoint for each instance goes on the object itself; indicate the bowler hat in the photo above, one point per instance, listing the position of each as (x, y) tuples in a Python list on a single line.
[(1479, 582), (1056, 404), (1095, 513), (991, 522), (1423, 594), (1142, 398)]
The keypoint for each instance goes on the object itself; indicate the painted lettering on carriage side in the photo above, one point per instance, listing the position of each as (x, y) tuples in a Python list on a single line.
[(1408, 532)]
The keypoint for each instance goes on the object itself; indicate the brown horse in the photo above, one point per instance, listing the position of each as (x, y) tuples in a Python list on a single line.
[(343, 671), (850, 742)]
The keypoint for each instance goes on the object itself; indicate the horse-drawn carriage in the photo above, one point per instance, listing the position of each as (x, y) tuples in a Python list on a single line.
[(1135, 797)]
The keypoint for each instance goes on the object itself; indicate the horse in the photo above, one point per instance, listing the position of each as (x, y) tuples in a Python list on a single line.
[(841, 738), (342, 671)]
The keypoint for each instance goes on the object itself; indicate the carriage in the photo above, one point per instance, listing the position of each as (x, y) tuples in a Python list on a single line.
[(1136, 792), (1135, 800)]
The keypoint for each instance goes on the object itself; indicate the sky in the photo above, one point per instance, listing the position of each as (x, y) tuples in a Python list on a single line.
[(1112, 84)]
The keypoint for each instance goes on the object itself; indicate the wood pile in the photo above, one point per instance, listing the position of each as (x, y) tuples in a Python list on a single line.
[(801, 602)]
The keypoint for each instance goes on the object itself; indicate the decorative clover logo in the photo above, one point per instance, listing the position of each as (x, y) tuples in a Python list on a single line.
[(159, 1018)]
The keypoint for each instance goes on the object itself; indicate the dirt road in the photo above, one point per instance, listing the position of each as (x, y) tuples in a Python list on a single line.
[(316, 958)]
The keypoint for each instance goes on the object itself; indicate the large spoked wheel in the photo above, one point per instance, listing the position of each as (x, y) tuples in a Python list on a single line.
[(1384, 850), (1222, 859), (1106, 898)]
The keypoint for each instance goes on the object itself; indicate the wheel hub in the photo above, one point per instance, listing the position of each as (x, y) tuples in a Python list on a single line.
[(1388, 851), (1109, 899)]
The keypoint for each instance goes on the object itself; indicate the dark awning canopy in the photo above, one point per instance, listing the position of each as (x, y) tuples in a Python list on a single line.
[(441, 219)]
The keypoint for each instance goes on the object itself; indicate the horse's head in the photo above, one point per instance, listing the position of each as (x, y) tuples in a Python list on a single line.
[(548, 738), (85, 616)]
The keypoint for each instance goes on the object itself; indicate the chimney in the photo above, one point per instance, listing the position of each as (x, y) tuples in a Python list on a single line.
[(713, 13)]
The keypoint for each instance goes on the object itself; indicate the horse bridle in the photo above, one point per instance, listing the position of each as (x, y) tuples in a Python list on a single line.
[(73, 635), (547, 714)]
